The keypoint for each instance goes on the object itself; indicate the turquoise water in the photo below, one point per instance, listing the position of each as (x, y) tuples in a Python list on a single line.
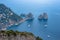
[(49, 32)]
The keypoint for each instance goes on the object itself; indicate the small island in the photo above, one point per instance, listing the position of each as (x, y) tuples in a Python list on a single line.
[(43, 17), (23, 15), (29, 16), (8, 17)]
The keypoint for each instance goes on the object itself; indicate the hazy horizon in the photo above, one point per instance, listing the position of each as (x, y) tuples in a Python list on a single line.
[(32, 5)]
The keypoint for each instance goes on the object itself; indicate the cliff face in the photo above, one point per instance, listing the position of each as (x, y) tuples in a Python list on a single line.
[(8, 17), (18, 37), (10, 35)]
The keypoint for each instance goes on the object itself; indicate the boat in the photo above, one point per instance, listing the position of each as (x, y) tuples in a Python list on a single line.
[(16, 24), (29, 25)]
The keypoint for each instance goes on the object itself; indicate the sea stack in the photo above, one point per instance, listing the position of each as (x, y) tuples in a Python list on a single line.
[(29, 16), (23, 15), (43, 17)]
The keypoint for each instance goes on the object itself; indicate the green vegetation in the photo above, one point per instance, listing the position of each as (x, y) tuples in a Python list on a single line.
[(8, 17), (26, 33), (38, 38), (15, 33), (11, 32)]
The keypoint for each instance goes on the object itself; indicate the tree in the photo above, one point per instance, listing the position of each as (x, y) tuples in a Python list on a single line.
[(38, 38)]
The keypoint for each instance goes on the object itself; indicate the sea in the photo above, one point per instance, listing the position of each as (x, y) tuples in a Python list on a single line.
[(47, 30)]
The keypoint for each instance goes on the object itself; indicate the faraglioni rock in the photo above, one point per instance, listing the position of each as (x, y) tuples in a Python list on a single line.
[(23, 15), (8, 17), (40, 17), (15, 35), (29, 16), (43, 17)]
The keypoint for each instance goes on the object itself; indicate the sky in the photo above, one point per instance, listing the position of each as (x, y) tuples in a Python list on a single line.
[(31, 5), (32, 1)]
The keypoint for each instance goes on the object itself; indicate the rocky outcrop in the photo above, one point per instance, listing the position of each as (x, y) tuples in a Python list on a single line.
[(29, 16), (11, 35), (43, 16)]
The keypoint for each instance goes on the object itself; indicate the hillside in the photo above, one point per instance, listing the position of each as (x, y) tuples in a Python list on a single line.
[(8, 17)]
